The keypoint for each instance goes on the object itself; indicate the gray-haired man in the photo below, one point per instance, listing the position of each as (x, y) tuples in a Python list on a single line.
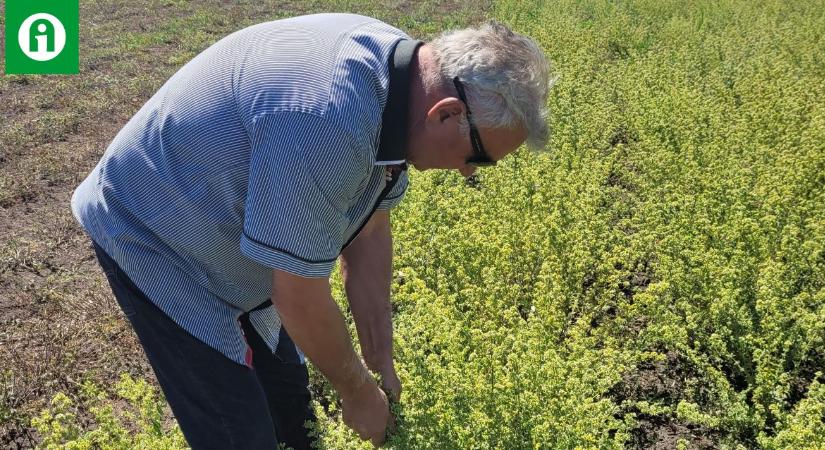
[(253, 170)]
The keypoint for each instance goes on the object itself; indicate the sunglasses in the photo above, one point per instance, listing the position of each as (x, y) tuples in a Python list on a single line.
[(480, 158)]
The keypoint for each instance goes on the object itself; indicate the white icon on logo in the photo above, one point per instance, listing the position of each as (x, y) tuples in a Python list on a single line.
[(41, 37)]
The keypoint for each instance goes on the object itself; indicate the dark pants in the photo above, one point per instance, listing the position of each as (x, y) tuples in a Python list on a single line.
[(218, 403)]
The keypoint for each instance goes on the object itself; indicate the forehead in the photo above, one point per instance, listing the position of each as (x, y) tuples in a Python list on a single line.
[(500, 142)]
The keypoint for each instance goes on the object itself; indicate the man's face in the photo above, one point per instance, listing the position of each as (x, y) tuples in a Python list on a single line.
[(443, 144)]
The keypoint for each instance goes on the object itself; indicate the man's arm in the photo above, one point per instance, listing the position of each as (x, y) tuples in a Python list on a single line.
[(316, 325), (366, 265)]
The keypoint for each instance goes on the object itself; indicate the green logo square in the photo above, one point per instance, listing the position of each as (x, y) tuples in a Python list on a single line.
[(42, 36)]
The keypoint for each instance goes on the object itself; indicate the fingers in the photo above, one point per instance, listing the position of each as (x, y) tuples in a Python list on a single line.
[(393, 392), (364, 433), (379, 440), (368, 415), (392, 386)]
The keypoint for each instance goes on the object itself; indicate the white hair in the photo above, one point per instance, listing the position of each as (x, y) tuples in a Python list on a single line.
[(505, 74)]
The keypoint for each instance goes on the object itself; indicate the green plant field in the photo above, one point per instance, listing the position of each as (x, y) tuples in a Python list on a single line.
[(655, 279), (659, 275)]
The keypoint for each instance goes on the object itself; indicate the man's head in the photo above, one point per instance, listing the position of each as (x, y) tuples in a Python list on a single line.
[(504, 77)]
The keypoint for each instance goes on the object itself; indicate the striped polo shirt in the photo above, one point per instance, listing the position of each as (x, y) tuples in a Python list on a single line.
[(266, 151)]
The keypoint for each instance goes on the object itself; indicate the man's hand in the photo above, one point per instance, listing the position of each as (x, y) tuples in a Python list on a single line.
[(367, 412), (390, 383)]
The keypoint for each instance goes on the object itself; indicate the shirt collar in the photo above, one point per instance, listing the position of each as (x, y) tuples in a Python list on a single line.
[(392, 144)]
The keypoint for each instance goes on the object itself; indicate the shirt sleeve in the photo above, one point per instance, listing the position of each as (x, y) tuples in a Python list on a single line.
[(397, 192), (302, 172)]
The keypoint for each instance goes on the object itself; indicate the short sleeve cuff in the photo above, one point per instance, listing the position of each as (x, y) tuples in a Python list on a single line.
[(284, 260)]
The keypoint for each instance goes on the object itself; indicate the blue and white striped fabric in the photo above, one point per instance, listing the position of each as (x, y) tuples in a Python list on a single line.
[(260, 153)]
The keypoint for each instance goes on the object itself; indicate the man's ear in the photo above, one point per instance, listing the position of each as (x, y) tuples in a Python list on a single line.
[(444, 109)]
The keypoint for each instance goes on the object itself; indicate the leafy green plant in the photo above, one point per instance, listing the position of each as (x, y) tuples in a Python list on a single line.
[(138, 424)]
